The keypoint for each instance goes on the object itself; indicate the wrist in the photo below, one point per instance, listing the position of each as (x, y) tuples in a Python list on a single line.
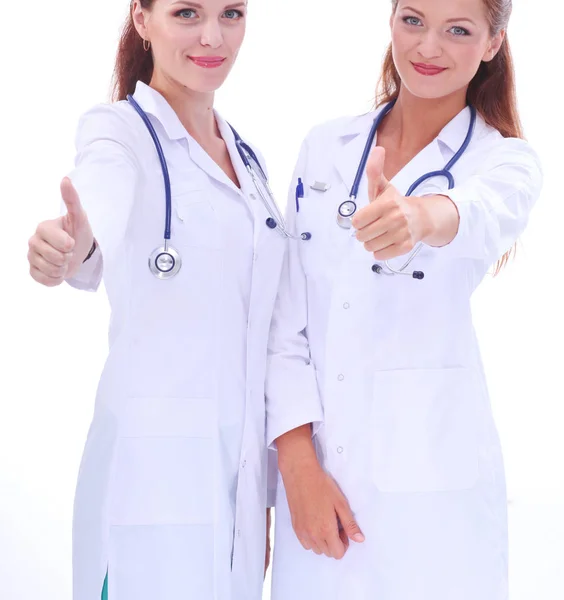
[(296, 450), (439, 220)]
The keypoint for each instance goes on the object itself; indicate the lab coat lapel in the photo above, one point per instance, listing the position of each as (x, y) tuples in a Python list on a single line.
[(203, 160), (353, 140)]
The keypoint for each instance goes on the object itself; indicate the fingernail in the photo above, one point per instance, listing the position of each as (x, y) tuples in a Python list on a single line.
[(358, 537)]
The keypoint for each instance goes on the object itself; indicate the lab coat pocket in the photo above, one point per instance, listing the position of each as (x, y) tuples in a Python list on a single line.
[(195, 223), (164, 462), (425, 425)]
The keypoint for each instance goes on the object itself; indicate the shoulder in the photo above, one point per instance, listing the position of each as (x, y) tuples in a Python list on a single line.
[(495, 150), (117, 122)]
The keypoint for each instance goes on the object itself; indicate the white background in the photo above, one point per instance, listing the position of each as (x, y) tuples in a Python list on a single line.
[(304, 61)]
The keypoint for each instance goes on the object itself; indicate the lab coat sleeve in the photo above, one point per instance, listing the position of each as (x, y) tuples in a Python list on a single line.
[(106, 176), (494, 204), (292, 395)]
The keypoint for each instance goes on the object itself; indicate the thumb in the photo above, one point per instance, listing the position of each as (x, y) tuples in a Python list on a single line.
[(377, 183), (349, 524), (71, 200)]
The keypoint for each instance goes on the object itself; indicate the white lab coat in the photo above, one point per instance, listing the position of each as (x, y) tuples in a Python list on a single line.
[(389, 371), (171, 494)]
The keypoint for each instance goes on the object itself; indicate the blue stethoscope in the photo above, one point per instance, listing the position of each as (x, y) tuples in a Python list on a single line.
[(165, 261), (348, 209)]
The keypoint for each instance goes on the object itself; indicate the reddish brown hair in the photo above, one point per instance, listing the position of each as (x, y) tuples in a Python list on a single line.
[(133, 63), (492, 91)]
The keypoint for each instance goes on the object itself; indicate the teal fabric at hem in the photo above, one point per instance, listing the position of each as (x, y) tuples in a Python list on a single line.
[(105, 588)]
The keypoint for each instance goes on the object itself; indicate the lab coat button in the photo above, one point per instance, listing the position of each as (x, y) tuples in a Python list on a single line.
[(253, 197), (341, 377), (340, 449), (346, 305), (238, 533), (244, 464)]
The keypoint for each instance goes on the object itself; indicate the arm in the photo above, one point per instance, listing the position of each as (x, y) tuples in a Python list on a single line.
[(294, 411), (480, 219), (494, 204), (106, 176), (292, 396)]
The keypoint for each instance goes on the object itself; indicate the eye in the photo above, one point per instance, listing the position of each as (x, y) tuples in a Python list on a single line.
[(459, 31), (415, 21), (233, 15), (186, 13)]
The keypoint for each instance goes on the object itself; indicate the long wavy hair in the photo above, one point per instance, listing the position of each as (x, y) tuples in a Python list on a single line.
[(492, 90)]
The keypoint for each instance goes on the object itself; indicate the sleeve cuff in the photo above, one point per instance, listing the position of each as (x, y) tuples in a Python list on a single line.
[(89, 275)]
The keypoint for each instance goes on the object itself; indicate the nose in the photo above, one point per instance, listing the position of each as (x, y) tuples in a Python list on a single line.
[(430, 47), (211, 34)]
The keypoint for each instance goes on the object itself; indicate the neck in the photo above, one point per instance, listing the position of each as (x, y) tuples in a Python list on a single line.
[(415, 122), (194, 109)]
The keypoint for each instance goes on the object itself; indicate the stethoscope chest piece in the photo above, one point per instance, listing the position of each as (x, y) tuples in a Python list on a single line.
[(346, 213), (165, 262)]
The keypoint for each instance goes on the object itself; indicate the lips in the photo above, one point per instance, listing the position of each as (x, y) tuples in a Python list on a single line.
[(428, 70), (207, 62)]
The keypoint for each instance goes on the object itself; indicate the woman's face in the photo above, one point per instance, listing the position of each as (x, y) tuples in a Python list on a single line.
[(194, 44), (438, 45)]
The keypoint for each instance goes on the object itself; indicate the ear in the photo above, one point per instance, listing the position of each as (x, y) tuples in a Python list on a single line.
[(494, 46), (139, 17)]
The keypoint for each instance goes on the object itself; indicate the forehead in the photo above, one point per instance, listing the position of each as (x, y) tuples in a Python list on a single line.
[(447, 9)]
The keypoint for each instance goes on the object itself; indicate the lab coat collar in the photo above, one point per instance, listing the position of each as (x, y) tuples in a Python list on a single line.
[(153, 103), (355, 133), (452, 135)]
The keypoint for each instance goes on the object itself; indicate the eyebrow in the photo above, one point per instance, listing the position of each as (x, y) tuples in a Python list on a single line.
[(448, 21), (196, 5)]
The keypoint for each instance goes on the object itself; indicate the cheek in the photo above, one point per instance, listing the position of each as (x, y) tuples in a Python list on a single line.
[(401, 42), (468, 59), (235, 38)]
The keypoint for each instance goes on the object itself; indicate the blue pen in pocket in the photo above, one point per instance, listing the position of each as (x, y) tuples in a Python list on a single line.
[(299, 193)]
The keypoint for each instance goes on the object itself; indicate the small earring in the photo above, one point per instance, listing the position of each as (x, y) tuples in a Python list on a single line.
[(146, 45)]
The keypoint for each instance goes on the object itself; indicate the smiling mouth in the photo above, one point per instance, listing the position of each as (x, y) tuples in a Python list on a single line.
[(428, 70), (207, 62)]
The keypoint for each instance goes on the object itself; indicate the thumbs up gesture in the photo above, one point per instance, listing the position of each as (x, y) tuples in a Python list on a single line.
[(392, 224), (59, 246)]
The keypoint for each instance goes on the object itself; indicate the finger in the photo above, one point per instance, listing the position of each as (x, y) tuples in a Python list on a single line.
[(323, 545), (53, 271), (44, 279), (54, 234), (344, 538), (315, 548), (386, 205), (305, 544), (336, 546), (349, 524), (373, 230), (50, 254), (377, 182), (71, 199), (391, 238), (392, 251)]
